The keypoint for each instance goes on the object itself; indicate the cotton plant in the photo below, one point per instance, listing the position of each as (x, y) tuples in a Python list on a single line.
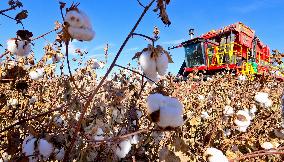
[(162, 108), (154, 62), (29, 148), (215, 155), (79, 25), (243, 120)]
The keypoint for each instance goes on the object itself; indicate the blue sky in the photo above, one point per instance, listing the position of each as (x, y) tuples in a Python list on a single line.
[(113, 19)]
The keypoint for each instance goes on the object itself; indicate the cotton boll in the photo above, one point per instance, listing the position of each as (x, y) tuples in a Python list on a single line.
[(33, 75), (86, 20), (201, 97), (81, 34), (154, 102), (243, 120), (139, 114), (33, 100), (37, 74), (45, 148), (123, 148), (77, 116), (268, 103), (5, 157), (228, 111), (59, 154), (253, 110), (172, 110), (261, 97), (267, 145), (13, 102), (162, 64), (28, 146), (99, 134), (74, 18), (148, 65), (56, 58), (19, 47), (204, 115), (215, 155), (134, 139), (58, 120), (227, 132)]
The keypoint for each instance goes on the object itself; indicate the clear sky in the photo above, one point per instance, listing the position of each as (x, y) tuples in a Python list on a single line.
[(113, 19)]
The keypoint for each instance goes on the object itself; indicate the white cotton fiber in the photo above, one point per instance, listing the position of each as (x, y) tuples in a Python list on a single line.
[(123, 148), (243, 124), (267, 145), (45, 148), (162, 64), (81, 34), (215, 155), (37, 74), (74, 18), (80, 26), (86, 20), (268, 103), (261, 97), (148, 65), (171, 113), (134, 139), (28, 147), (154, 102), (19, 47)]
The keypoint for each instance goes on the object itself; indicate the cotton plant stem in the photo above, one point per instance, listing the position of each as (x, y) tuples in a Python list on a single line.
[(256, 155), (85, 107)]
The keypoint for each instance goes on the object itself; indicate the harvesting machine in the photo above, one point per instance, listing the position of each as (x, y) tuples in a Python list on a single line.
[(235, 47)]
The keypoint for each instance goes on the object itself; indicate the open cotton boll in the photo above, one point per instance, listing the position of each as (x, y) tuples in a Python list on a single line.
[(204, 115), (74, 18), (215, 155), (148, 65), (134, 139), (19, 47), (228, 111), (81, 34), (59, 154), (58, 120), (243, 120), (267, 145), (28, 146), (13, 102), (36, 74), (86, 20), (261, 97), (123, 148), (56, 58), (162, 64), (171, 113), (33, 100), (154, 102), (45, 148), (99, 134), (268, 103)]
